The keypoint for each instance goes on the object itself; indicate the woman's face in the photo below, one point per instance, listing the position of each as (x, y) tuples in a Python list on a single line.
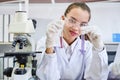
[(74, 20)]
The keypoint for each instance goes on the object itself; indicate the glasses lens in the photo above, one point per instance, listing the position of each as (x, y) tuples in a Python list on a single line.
[(75, 23)]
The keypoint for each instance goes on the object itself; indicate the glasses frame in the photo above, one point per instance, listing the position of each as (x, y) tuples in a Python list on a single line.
[(74, 22)]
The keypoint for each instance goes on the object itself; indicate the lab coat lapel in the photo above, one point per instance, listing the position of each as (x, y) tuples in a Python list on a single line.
[(76, 50), (61, 53), (64, 55)]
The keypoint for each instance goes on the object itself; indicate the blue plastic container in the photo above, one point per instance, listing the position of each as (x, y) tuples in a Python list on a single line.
[(116, 37)]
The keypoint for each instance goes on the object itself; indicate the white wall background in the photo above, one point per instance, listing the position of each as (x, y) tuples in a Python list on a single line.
[(106, 15)]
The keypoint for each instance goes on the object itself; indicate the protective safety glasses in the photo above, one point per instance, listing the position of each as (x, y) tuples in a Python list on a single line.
[(74, 22)]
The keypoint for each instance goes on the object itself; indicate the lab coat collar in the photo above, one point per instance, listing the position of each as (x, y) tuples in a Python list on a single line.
[(65, 44), (76, 44)]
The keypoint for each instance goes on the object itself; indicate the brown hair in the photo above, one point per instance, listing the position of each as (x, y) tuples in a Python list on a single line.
[(81, 5)]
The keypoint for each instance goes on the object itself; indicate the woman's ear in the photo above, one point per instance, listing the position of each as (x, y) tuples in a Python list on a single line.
[(63, 17)]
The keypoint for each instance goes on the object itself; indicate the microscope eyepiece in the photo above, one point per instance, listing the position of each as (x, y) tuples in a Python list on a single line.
[(14, 43), (21, 45)]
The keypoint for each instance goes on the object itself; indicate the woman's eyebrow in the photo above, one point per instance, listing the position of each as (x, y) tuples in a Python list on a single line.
[(77, 20), (74, 18)]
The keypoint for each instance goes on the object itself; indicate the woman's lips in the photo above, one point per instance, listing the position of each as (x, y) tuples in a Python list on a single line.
[(73, 33)]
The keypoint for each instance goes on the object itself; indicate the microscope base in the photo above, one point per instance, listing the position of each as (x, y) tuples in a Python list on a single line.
[(25, 76)]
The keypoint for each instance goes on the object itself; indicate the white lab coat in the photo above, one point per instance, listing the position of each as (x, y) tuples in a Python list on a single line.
[(57, 67), (116, 65)]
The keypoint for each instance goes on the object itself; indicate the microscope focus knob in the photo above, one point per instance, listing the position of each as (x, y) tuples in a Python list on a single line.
[(8, 71)]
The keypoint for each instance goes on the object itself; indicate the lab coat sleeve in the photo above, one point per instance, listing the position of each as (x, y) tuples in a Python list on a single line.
[(98, 68), (48, 69)]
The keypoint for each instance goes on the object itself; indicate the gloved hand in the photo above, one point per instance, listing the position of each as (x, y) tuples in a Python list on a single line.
[(53, 30), (94, 36), (115, 68)]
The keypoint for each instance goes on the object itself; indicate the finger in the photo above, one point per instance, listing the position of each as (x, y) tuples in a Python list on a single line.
[(59, 24), (55, 26), (86, 29)]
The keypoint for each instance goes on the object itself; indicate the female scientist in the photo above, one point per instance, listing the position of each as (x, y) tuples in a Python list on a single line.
[(68, 56)]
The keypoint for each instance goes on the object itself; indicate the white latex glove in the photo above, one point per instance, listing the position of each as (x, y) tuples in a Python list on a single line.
[(115, 68), (53, 30), (94, 36)]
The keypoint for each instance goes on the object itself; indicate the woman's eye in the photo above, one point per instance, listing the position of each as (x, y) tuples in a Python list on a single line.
[(73, 21), (84, 24)]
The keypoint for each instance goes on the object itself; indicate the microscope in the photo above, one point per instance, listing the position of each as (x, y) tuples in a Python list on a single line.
[(23, 48)]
